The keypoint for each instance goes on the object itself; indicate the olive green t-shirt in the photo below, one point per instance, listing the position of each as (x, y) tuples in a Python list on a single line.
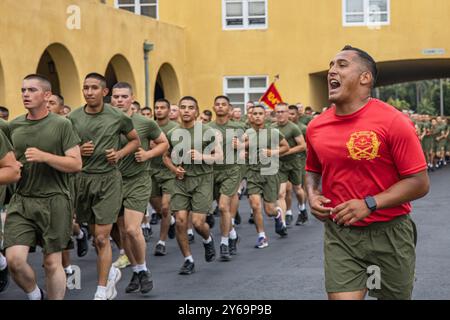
[(5, 145), (266, 138), (4, 127), (147, 130), (53, 134), (157, 162), (228, 131), (305, 119), (201, 138), (302, 128), (104, 130), (290, 131)]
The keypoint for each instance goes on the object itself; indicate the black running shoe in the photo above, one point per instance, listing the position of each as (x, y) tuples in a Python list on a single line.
[(134, 284), (146, 281), (232, 243), (154, 219), (210, 251), (160, 250), (210, 220), (237, 219), (82, 244), (280, 228), (225, 252), (251, 220), (171, 232), (147, 232), (216, 212), (289, 219), (188, 267), (4, 279), (304, 215), (191, 238)]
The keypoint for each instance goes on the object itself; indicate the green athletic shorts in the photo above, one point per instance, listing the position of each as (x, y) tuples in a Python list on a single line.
[(352, 255), (46, 222), (193, 194), (99, 197), (162, 182), (226, 181), (136, 191), (267, 186), (291, 171)]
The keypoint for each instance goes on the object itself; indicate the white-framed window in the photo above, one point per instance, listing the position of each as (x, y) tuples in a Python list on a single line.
[(244, 14), (366, 12), (147, 8), (241, 89)]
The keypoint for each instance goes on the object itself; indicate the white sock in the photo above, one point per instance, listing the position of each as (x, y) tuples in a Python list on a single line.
[(3, 263), (162, 242), (112, 273), (232, 221), (190, 231), (68, 269), (302, 207), (207, 240), (80, 235), (289, 213), (172, 220), (278, 213), (224, 240), (134, 268), (142, 225), (35, 294), (141, 267), (101, 291), (122, 252), (233, 234), (148, 226), (189, 258), (261, 234)]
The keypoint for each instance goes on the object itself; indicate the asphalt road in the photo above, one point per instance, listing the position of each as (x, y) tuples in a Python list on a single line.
[(290, 268)]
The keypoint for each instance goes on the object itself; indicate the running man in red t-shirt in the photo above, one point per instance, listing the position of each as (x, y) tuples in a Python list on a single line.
[(370, 170)]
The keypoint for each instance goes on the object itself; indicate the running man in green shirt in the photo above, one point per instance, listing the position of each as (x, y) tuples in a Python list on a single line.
[(135, 169), (264, 147), (194, 148), (162, 181), (99, 186), (40, 211)]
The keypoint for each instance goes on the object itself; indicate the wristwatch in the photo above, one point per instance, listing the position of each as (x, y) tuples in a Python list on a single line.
[(370, 203)]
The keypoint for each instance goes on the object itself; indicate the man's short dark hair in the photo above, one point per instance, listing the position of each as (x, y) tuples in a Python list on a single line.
[(189, 98), (165, 101), (308, 108), (222, 97), (4, 109), (293, 107), (207, 113), (367, 59), (97, 76), (259, 106), (137, 104), (146, 108), (60, 98), (123, 85), (45, 82)]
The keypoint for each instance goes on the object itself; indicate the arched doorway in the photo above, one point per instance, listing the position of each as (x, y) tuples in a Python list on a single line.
[(166, 85), (118, 70), (58, 65)]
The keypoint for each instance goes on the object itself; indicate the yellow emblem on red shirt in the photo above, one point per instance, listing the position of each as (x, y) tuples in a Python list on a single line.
[(363, 145)]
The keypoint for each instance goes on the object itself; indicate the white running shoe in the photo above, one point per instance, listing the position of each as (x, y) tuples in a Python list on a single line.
[(111, 291)]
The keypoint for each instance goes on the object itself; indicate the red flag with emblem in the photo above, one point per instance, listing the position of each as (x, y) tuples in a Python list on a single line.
[(272, 97)]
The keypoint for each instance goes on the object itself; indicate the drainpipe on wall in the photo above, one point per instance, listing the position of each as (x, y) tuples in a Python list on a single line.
[(147, 48)]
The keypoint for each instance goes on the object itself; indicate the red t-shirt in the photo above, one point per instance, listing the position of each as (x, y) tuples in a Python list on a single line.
[(363, 154)]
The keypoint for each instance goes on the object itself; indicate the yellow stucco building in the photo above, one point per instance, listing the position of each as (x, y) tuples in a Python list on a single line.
[(209, 47)]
